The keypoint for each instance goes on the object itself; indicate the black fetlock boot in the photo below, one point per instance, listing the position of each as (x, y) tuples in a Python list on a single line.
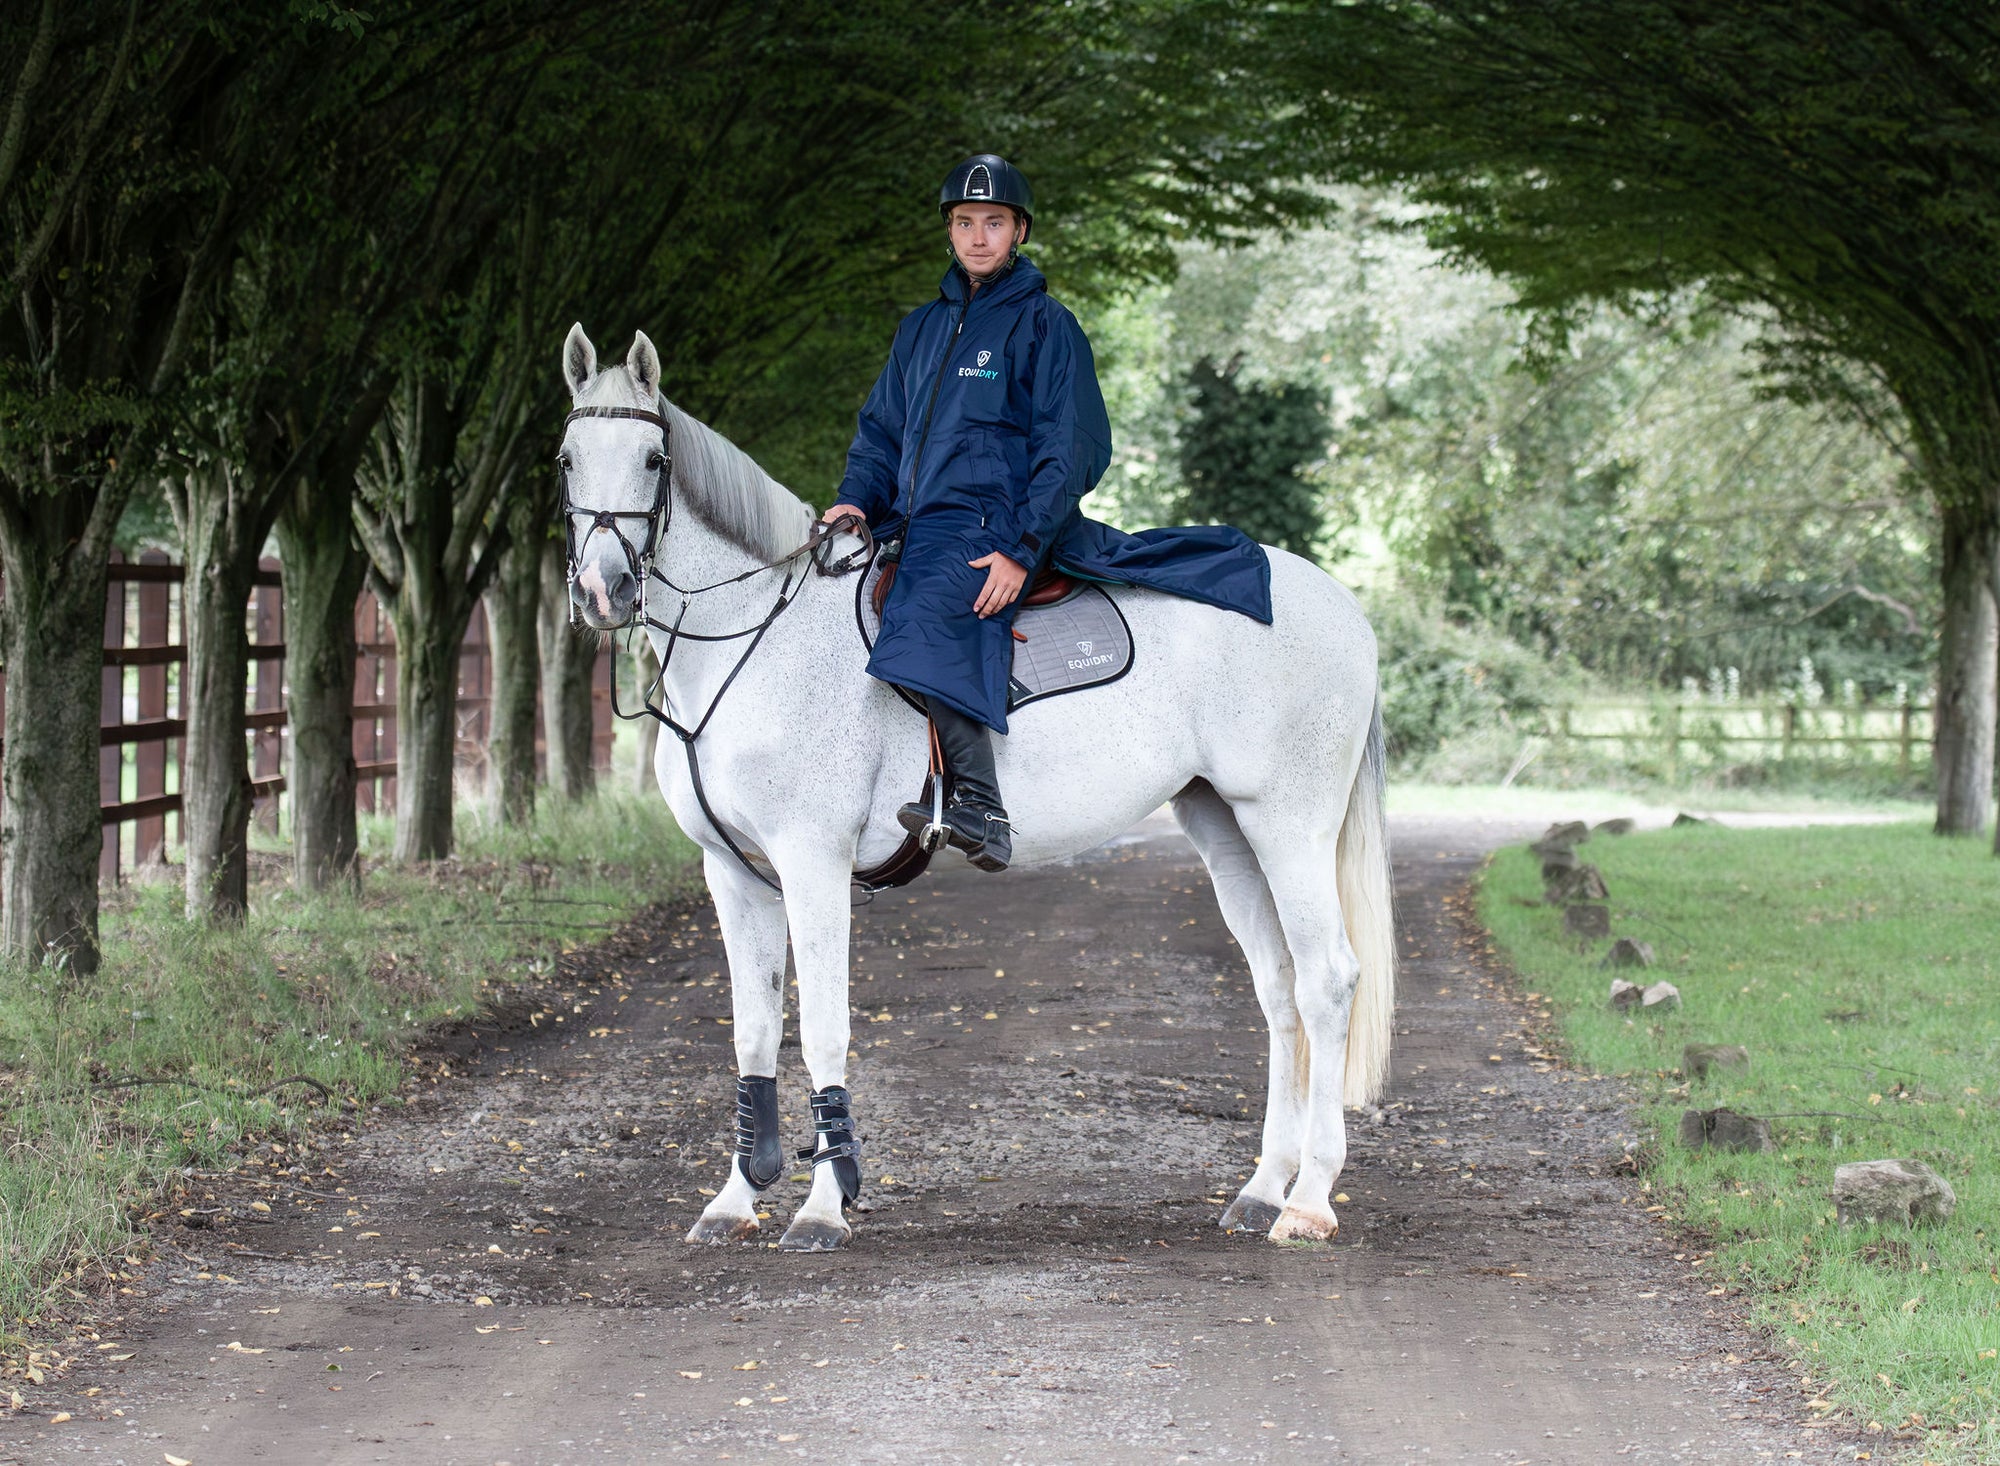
[(759, 1152), (975, 820), (833, 1121)]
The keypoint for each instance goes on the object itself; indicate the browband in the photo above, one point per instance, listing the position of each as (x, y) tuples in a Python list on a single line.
[(638, 414)]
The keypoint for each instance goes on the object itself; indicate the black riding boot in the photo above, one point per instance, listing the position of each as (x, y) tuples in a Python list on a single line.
[(975, 820)]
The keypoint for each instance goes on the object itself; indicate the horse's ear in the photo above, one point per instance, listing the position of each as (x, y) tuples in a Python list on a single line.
[(579, 360), (643, 362)]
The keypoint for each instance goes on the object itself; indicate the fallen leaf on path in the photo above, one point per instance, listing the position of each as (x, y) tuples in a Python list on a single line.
[(690, 1374), (235, 1346), (173, 1460), (59, 1417)]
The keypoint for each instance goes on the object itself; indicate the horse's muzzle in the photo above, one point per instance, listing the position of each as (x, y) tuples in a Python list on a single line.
[(607, 602)]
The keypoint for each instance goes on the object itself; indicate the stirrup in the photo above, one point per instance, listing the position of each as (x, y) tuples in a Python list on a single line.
[(937, 834)]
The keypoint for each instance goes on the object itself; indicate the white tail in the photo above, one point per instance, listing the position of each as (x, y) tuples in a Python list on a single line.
[(1361, 872)]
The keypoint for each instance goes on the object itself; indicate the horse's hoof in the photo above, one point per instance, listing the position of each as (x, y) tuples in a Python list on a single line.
[(723, 1229), (1248, 1214), (808, 1234), (1296, 1224)]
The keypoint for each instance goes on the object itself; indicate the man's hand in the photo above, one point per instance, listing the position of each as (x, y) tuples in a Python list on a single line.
[(1004, 580), (842, 511)]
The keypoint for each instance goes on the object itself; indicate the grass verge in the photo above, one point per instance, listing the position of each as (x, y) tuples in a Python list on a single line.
[(1860, 967), (176, 1054)]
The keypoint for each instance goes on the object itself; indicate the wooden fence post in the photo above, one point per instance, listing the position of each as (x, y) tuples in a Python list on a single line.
[(111, 712)]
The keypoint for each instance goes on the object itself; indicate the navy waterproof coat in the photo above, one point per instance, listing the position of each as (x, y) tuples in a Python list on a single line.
[(982, 433)]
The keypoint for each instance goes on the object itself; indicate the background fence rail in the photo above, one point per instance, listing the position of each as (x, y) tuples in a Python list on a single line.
[(143, 721), (1695, 731)]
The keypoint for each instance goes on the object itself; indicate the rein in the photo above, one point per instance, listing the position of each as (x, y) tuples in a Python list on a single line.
[(640, 559)]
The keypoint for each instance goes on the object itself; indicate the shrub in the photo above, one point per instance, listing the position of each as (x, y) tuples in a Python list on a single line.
[(1441, 680)]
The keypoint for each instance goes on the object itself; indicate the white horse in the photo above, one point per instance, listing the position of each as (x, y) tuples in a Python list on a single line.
[(1267, 740)]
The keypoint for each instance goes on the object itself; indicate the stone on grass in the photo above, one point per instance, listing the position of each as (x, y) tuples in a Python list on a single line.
[(1901, 1192), (1626, 994), (1698, 1060), (1626, 952), (1723, 1129), (1661, 994), (1562, 885), (1587, 919), (1623, 825), (1688, 819), (1566, 832), (1553, 858)]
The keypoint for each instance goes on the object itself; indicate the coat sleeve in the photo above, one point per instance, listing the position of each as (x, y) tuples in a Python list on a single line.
[(1069, 437), (875, 458)]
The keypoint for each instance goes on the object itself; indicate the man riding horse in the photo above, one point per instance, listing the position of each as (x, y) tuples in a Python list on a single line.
[(981, 435)]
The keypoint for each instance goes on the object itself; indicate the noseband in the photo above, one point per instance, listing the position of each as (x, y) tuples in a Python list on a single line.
[(657, 516)]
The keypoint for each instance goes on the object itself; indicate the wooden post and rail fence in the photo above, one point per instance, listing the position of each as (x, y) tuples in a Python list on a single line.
[(143, 725), (1684, 731)]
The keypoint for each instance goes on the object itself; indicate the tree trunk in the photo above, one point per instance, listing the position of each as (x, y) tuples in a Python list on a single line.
[(56, 552), (1968, 655), (646, 668), (215, 779), (426, 727), (569, 655), (513, 607), (219, 550), (324, 570)]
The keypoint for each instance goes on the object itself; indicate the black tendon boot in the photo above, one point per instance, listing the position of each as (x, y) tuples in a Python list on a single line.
[(833, 1118), (758, 1151), (975, 821)]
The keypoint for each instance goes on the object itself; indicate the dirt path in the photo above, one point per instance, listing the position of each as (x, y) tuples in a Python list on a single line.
[(498, 1276)]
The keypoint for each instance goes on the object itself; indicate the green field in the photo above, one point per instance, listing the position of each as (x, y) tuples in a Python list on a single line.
[(110, 1086), (1860, 966)]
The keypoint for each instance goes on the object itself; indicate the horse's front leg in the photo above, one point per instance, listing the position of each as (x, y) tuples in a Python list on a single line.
[(753, 934), (816, 905)]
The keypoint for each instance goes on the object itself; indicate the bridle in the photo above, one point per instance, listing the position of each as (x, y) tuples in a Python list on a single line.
[(657, 516), (640, 560)]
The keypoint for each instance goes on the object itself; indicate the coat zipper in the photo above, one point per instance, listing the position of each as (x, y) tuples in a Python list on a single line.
[(917, 462)]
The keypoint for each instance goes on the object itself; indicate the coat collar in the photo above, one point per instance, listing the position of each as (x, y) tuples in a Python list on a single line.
[(1021, 281)]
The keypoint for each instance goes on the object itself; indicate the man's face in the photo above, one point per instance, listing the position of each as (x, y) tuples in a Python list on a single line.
[(981, 235)]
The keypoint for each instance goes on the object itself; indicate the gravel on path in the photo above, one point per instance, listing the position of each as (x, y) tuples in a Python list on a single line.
[(1059, 1078)]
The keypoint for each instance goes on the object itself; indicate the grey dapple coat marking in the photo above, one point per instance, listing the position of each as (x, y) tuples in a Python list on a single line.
[(1265, 738)]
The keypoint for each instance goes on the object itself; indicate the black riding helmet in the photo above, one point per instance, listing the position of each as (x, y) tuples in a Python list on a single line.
[(987, 178)]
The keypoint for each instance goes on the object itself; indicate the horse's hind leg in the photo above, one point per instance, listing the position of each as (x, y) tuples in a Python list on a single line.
[(1245, 899), (753, 933), (1297, 861)]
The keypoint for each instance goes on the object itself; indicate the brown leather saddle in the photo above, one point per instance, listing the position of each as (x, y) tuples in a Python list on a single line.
[(1049, 586)]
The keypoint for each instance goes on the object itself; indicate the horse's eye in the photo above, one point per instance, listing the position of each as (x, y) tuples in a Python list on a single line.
[(655, 462), (563, 463)]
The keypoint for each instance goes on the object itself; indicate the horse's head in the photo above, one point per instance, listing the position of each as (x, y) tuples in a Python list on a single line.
[(615, 469)]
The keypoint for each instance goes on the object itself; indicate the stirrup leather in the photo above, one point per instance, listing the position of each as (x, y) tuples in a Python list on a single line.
[(833, 1121)]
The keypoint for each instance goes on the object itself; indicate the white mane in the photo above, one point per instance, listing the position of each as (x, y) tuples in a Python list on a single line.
[(717, 480)]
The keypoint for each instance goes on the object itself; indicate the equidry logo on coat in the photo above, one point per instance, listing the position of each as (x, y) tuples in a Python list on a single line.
[(985, 357), (987, 375)]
